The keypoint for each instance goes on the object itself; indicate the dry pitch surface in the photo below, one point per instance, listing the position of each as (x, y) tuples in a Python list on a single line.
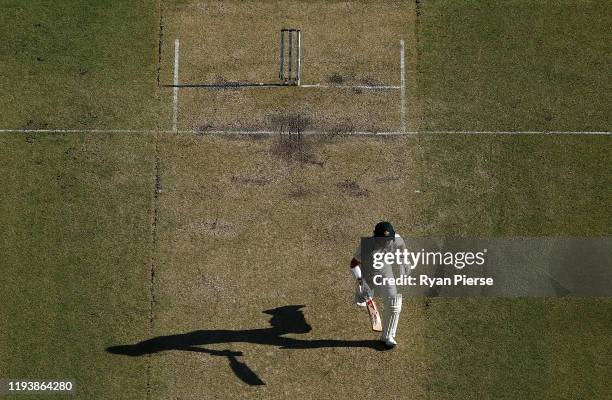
[(244, 229), (343, 44)]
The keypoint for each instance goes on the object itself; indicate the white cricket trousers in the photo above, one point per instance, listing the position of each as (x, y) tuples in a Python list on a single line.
[(391, 313)]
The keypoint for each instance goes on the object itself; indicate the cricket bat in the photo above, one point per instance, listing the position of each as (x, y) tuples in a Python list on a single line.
[(372, 310)]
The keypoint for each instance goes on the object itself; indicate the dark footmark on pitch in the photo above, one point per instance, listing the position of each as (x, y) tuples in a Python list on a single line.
[(285, 320), (352, 188), (335, 79), (291, 144)]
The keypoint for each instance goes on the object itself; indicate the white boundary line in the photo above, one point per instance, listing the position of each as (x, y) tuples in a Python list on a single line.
[(266, 132), (402, 88), (175, 89)]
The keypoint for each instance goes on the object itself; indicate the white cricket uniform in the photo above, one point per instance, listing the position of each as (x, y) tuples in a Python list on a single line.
[(392, 299)]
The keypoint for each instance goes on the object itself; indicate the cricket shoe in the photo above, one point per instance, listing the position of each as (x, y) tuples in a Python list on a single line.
[(389, 342), (361, 303)]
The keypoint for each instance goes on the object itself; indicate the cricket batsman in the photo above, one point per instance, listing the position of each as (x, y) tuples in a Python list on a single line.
[(384, 240)]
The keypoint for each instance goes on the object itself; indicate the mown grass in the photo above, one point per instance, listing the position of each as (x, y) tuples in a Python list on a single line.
[(515, 185), (518, 348), (75, 258), (509, 187), (516, 65), (476, 186), (75, 64)]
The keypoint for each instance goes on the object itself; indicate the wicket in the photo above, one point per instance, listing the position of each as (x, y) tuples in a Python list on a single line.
[(290, 74)]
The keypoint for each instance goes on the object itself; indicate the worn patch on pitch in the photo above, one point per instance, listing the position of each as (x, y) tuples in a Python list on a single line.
[(352, 188)]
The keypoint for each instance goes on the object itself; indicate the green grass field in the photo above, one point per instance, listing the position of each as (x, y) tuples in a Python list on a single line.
[(524, 65), (75, 254), (232, 226), (79, 65)]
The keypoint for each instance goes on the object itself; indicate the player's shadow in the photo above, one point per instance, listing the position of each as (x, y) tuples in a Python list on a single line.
[(285, 320)]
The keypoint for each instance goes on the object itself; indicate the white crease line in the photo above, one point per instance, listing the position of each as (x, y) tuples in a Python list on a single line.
[(520, 132), (365, 87), (312, 132), (80, 131), (247, 133), (402, 89), (176, 82), (298, 57)]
